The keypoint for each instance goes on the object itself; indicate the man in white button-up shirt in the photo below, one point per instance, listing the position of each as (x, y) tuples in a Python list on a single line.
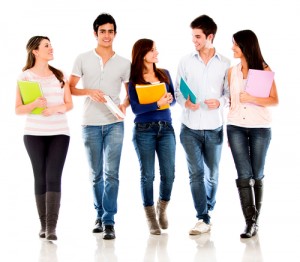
[(205, 72)]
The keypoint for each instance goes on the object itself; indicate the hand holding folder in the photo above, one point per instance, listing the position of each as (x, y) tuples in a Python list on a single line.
[(30, 91), (113, 107), (148, 94), (186, 91)]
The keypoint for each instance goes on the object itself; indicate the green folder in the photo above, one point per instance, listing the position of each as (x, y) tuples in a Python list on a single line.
[(30, 91), (186, 91)]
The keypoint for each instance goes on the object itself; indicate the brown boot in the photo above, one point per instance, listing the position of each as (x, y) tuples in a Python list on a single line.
[(52, 207), (162, 214), (41, 207), (152, 221)]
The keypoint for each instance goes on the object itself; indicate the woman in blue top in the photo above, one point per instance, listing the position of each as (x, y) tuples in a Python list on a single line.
[(153, 132)]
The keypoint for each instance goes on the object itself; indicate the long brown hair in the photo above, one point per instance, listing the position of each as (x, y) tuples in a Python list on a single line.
[(139, 50), (33, 44)]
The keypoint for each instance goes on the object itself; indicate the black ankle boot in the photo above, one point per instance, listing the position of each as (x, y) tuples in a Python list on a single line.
[(250, 230), (98, 226), (109, 232)]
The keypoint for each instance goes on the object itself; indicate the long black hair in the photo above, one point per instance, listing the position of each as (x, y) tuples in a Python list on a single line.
[(248, 43)]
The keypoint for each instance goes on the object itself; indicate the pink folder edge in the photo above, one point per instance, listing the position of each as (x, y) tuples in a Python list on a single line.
[(259, 82)]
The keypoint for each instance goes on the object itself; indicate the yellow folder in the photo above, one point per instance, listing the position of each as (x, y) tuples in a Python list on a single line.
[(148, 94), (30, 91)]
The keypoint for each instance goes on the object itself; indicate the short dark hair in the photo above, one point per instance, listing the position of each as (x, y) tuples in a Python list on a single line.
[(206, 24), (103, 19)]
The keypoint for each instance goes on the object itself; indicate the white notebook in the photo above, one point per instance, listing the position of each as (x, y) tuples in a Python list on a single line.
[(113, 107)]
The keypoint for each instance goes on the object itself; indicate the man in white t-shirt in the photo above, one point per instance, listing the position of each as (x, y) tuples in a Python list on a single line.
[(103, 72)]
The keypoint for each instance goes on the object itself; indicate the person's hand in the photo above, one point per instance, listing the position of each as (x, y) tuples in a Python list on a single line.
[(212, 103), (165, 99), (190, 105), (97, 95), (245, 97), (49, 111), (169, 98), (123, 109), (40, 102)]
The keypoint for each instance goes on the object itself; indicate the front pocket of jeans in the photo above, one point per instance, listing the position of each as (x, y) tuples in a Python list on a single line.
[(143, 126)]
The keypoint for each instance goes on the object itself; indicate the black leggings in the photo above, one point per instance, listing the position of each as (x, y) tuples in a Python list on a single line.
[(47, 155)]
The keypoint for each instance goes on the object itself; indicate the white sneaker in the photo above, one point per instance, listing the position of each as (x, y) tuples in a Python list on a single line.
[(200, 228)]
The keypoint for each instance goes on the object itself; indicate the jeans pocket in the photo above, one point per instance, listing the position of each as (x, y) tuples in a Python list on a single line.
[(142, 126)]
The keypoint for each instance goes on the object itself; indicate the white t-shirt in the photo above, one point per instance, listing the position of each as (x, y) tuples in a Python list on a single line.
[(107, 77)]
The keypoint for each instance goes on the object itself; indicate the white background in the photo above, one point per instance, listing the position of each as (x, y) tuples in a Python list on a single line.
[(69, 27)]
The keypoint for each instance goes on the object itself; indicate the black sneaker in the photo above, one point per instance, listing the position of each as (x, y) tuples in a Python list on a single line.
[(98, 226), (109, 232)]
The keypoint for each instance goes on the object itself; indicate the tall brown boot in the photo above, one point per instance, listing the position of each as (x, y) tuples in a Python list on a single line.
[(41, 207), (52, 207), (152, 221), (162, 214)]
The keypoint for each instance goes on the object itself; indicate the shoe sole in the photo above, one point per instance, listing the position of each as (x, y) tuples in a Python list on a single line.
[(108, 237), (196, 232), (97, 231)]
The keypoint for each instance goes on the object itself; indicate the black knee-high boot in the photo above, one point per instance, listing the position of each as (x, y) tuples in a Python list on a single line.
[(52, 207), (246, 193), (258, 192), (41, 207)]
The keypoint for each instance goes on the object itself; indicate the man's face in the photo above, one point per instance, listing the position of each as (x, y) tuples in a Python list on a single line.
[(200, 40), (106, 35)]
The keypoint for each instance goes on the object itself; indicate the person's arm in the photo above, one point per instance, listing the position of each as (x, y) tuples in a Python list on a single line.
[(95, 94), (178, 95), (171, 91), (222, 101), (67, 106), (272, 100), (126, 101), (185, 103)]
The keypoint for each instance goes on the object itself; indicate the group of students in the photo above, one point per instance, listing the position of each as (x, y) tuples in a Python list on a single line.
[(103, 72)]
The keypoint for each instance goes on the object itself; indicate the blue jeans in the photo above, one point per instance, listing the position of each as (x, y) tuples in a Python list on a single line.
[(249, 148), (203, 153), (148, 139), (103, 146)]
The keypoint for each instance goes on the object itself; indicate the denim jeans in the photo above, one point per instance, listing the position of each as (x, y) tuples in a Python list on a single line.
[(249, 148), (103, 146), (203, 152), (148, 139)]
